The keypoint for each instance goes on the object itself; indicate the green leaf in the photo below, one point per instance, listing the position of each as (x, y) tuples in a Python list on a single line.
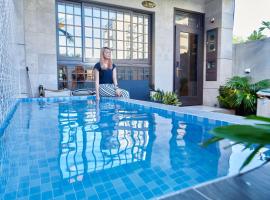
[(243, 133), (261, 29), (251, 156), (259, 118), (210, 141), (263, 126), (256, 35), (247, 146)]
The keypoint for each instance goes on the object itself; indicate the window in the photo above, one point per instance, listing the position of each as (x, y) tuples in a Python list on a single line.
[(84, 28), (188, 19), (117, 29), (75, 77), (87, 28), (133, 73), (69, 30)]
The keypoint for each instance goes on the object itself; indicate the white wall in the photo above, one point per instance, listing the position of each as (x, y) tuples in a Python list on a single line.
[(9, 60), (255, 56), (40, 45)]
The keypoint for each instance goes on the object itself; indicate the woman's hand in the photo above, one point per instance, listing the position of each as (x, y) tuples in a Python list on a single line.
[(118, 92)]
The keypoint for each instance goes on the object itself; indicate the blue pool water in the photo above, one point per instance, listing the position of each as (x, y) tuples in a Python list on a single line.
[(76, 149)]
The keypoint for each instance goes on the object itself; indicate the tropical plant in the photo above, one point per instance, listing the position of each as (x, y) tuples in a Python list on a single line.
[(224, 101), (157, 96), (238, 39), (265, 25), (254, 137), (256, 35), (239, 93), (170, 98)]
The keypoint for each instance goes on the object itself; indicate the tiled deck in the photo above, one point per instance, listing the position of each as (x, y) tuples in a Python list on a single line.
[(251, 185), (200, 111)]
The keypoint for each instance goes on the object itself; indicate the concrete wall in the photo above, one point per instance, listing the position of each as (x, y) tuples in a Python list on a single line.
[(223, 12), (9, 76), (40, 45), (253, 55)]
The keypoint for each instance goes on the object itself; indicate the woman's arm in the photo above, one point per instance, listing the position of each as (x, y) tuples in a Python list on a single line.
[(115, 78), (97, 83), (117, 90)]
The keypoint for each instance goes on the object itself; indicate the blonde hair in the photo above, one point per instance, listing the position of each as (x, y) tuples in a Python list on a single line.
[(102, 59)]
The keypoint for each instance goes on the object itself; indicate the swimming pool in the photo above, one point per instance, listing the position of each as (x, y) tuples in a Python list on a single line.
[(74, 148)]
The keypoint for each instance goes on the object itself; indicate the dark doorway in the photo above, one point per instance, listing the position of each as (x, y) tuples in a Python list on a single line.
[(188, 67)]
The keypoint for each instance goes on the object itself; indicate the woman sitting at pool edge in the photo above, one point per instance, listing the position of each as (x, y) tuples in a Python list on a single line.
[(106, 78)]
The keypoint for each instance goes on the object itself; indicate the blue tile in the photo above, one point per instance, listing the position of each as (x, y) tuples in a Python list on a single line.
[(70, 197), (80, 195), (24, 185), (10, 196), (157, 192), (100, 188), (34, 190), (92, 197), (164, 187), (78, 186), (23, 193), (35, 197), (112, 192), (143, 189), (102, 195), (148, 195), (57, 192), (115, 197), (87, 183), (108, 185), (57, 185), (125, 195), (47, 195), (134, 192)]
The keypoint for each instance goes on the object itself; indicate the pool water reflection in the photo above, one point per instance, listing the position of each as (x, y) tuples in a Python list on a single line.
[(110, 150)]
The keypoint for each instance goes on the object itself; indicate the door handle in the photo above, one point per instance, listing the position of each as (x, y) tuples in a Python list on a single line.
[(177, 64), (178, 69)]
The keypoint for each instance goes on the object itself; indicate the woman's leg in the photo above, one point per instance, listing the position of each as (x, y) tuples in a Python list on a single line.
[(107, 90), (124, 93)]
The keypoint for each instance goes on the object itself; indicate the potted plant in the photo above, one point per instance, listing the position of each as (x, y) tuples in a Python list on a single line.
[(157, 96), (239, 94), (169, 98)]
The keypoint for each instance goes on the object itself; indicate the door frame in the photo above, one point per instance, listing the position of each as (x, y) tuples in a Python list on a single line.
[(197, 100)]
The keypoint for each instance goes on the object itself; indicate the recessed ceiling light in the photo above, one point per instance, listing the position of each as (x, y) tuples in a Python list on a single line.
[(148, 4)]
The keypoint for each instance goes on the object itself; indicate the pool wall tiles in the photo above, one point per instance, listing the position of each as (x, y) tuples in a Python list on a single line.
[(8, 62)]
